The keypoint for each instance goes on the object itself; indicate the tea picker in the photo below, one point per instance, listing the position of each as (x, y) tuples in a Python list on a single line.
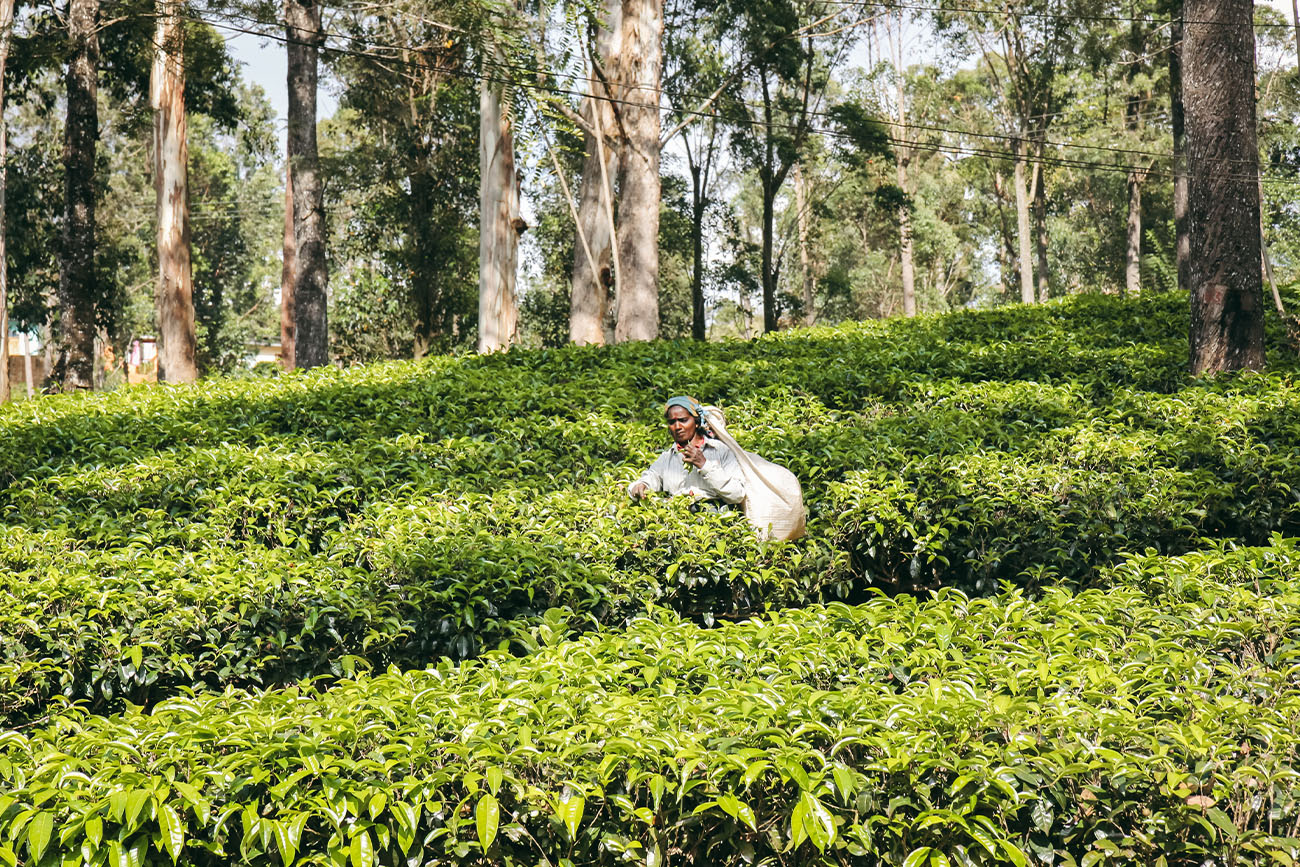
[(705, 462)]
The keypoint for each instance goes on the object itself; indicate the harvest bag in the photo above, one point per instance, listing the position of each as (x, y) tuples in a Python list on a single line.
[(773, 497)]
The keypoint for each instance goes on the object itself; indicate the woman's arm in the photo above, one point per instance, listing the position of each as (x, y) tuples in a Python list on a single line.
[(651, 480)]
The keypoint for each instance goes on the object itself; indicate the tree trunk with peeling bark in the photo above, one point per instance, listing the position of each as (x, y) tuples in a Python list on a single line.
[(1227, 301), (288, 274), (805, 255), (6, 32), (174, 292), (499, 223), (1136, 176), (1133, 236), (641, 66), (78, 287), (1022, 225), (767, 254), (699, 204), (907, 266), (593, 278), (1041, 241), (1182, 244), (310, 306)]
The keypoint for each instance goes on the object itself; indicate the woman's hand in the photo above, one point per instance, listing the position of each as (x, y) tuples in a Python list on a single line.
[(638, 490), (693, 455)]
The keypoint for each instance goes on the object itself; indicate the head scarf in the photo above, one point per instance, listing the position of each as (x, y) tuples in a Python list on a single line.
[(692, 406), (689, 404)]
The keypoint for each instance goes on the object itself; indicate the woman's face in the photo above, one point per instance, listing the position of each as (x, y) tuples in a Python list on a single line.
[(681, 424)]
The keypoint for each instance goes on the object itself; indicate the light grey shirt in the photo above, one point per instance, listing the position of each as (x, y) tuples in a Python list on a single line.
[(719, 479)]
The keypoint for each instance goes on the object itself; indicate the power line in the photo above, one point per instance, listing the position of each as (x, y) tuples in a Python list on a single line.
[(1063, 162), (1063, 16), (540, 72)]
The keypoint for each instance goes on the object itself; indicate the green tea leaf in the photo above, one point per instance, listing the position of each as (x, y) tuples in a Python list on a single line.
[(39, 830), (173, 831), (569, 808), (487, 814), (361, 852)]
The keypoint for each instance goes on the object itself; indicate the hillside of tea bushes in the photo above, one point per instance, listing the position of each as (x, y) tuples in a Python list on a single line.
[(1152, 721), (236, 613)]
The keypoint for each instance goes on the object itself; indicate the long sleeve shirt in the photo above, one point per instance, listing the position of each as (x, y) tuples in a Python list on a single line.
[(719, 479)]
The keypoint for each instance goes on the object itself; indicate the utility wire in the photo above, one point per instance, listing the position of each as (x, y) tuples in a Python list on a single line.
[(1062, 162), (1062, 16)]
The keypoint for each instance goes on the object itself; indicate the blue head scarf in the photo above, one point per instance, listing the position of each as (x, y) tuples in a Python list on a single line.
[(691, 405)]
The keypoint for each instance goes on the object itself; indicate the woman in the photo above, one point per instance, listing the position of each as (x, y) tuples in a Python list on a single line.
[(695, 463)]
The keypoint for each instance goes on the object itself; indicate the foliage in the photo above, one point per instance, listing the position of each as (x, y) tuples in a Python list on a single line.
[(1118, 725), (234, 203), (253, 532)]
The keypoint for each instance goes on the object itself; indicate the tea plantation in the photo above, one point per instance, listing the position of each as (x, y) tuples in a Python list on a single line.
[(1046, 612)]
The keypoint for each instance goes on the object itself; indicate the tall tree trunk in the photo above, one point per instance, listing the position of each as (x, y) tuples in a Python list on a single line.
[(1133, 237), (805, 255), (28, 374), (907, 267), (1022, 225), (288, 275), (1133, 242), (769, 268), (422, 253), (589, 291), (6, 31), (499, 223), (311, 326), (1133, 124), (1227, 316), (78, 288), (1182, 242), (1268, 262), (1040, 221), (1007, 249), (593, 277), (641, 65), (1295, 17), (174, 293), (699, 204)]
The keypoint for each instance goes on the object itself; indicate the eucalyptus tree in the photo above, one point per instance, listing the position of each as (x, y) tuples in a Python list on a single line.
[(787, 49), (6, 35), (404, 160), (1227, 305), (174, 293), (78, 284), (640, 71), (303, 40), (695, 65), (122, 189), (1026, 46), (594, 256), (500, 223), (288, 278)]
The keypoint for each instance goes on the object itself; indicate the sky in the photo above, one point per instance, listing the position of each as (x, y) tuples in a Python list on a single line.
[(264, 63)]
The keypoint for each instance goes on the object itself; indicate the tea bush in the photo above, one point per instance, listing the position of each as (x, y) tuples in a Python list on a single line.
[(441, 578), (252, 533), (1149, 721)]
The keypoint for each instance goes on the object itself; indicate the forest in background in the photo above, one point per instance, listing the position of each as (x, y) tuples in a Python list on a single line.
[(815, 161)]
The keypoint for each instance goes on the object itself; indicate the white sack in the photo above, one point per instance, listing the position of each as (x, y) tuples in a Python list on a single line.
[(773, 497)]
